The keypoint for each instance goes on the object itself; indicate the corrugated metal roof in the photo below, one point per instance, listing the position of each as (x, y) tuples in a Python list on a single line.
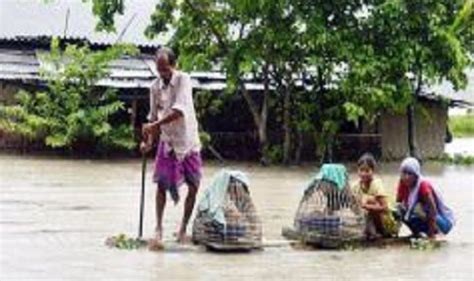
[(18, 65), (446, 89), (214, 75), (127, 72), (139, 72), (125, 83), (25, 65)]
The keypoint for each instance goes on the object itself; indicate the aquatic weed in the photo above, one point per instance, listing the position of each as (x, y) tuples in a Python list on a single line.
[(123, 242), (423, 244)]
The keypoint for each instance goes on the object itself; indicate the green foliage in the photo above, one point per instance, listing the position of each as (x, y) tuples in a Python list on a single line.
[(407, 44), (355, 58), (274, 154), (206, 103), (71, 112), (462, 25), (205, 138), (106, 11), (462, 126)]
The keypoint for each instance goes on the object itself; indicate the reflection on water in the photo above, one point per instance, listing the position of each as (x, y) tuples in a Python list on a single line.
[(55, 215)]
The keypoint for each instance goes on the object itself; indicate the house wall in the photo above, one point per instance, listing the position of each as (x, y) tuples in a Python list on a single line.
[(430, 126)]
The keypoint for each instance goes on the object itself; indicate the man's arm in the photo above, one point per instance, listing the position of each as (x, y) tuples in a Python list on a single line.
[(183, 94), (152, 129)]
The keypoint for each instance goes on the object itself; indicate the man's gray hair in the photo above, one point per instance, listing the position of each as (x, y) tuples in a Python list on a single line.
[(168, 53)]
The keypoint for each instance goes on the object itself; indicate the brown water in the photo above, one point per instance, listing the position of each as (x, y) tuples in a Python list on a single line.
[(55, 215)]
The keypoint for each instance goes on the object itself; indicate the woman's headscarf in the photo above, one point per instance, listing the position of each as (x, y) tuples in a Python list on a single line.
[(412, 166)]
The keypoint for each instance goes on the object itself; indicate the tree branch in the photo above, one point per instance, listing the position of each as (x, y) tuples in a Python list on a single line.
[(219, 37), (251, 103)]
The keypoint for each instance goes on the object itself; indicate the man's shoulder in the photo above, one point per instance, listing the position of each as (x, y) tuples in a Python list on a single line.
[(182, 76)]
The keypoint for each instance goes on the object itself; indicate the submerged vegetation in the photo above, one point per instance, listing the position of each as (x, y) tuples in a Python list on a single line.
[(456, 159)]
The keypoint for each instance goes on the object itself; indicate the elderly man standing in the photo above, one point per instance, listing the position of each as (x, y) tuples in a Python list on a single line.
[(172, 121)]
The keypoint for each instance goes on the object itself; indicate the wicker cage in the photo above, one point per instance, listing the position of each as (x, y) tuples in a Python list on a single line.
[(329, 211), (242, 224), (327, 215)]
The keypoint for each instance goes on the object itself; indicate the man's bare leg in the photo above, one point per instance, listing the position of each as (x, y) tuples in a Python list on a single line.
[(188, 210), (160, 198), (159, 208)]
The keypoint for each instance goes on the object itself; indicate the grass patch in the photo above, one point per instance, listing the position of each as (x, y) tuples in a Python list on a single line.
[(462, 126)]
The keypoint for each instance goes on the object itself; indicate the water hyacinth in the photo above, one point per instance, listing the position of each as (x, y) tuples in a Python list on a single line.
[(122, 241), (424, 244)]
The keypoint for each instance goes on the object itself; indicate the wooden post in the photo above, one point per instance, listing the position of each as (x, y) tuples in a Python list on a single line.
[(133, 115), (133, 118)]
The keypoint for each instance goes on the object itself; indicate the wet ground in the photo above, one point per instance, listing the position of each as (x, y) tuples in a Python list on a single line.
[(55, 215)]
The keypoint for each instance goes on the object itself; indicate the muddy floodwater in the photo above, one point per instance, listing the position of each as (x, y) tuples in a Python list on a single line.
[(55, 215), (463, 146)]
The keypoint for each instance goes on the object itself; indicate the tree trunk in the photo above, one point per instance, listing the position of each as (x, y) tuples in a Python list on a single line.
[(299, 148), (411, 116), (259, 116), (262, 134), (328, 150), (412, 147), (263, 145), (286, 127)]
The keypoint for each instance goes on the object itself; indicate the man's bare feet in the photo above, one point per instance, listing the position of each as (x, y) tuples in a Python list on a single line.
[(156, 244), (182, 237)]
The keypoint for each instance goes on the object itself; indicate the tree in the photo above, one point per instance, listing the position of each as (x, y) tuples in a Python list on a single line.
[(210, 34), (71, 112), (321, 62), (274, 42), (413, 44), (330, 30), (244, 39)]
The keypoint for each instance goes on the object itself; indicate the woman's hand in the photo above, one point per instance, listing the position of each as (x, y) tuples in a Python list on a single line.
[(377, 204), (369, 206)]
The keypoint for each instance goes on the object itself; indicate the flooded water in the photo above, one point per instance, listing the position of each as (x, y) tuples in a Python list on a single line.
[(56, 213), (464, 146)]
